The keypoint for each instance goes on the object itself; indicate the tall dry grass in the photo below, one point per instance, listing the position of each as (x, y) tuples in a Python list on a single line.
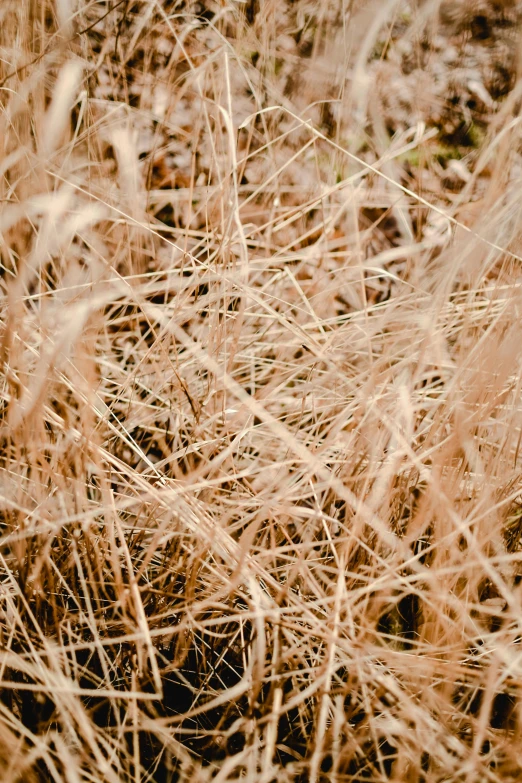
[(261, 419)]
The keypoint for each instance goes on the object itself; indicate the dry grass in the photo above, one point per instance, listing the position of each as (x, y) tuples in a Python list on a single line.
[(261, 421)]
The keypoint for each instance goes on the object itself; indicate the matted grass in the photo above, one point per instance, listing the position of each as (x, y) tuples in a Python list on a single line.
[(261, 419)]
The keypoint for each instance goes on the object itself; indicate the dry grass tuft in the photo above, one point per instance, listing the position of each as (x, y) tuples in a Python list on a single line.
[(260, 494)]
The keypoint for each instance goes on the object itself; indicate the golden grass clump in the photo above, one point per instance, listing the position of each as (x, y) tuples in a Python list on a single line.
[(260, 496)]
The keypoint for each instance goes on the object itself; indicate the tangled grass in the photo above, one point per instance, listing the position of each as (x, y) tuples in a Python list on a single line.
[(261, 420)]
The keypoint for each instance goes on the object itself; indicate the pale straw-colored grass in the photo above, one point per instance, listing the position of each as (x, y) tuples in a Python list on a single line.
[(261, 418)]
